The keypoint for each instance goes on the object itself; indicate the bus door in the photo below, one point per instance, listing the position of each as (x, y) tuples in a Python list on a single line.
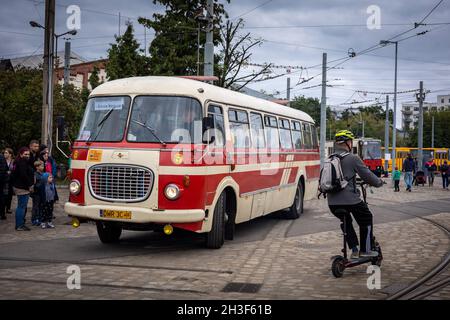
[(214, 156)]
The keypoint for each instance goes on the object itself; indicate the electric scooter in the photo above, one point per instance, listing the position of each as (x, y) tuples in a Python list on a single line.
[(340, 263)]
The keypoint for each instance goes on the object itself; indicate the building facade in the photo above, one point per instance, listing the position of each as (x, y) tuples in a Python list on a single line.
[(410, 110)]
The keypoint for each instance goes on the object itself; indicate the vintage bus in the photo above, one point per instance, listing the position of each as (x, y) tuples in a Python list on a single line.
[(438, 154), (368, 149), (167, 152)]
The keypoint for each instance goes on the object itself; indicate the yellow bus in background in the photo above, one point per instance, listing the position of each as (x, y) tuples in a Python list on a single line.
[(438, 154)]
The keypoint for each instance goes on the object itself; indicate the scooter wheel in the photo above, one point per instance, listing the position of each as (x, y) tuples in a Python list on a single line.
[(338, 267)]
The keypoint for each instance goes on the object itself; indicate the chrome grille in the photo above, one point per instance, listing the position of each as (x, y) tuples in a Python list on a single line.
[(120, 182)]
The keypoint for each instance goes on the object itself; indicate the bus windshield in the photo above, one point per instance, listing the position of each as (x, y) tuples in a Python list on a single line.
[(371, 150), (104, 119), (164, 119)]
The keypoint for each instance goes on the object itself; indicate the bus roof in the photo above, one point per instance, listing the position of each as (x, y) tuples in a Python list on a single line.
[(181, 86)]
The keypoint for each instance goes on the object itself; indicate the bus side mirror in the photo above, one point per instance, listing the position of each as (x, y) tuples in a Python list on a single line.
[(208, 123)]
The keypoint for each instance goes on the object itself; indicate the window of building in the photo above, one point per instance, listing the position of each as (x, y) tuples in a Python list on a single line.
[(297, 134), (256, 123), (272, 137), (285, 134), (240, 128)]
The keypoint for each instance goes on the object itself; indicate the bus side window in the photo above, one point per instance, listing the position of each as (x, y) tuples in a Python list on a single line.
[(297, 134), (256, 123), (219, 133), (307, 135), (285, 134), (272, 136), (240, 128), (314, 137)]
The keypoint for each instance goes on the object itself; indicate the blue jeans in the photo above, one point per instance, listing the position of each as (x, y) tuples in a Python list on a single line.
[(408, 179), (22, 202)]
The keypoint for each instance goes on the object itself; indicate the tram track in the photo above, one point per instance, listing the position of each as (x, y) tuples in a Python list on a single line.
[(419, 289)]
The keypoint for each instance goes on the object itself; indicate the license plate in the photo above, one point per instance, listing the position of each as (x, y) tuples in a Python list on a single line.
[(115, 214)]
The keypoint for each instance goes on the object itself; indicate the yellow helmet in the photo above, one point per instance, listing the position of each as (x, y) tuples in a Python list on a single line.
[(344, 135)]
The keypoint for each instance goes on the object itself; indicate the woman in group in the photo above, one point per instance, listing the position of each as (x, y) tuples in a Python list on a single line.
[(8, 188), (23, 181)]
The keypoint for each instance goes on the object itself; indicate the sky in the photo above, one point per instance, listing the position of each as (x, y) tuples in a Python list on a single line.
[(294, 33)]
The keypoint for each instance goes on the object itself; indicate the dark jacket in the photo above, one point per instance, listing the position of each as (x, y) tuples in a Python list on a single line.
[(409, 165), (352, 165), (41, 189), (22, 176), (445, 169), (3, 169), (33, 157)]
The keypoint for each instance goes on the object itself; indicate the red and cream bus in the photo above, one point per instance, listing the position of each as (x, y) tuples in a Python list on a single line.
[(168, 152)]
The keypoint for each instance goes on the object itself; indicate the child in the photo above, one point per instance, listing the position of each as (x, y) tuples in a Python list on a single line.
[(396, 177), (36, 211), (48, 197)]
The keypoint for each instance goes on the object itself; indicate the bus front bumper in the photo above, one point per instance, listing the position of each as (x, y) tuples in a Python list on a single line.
[(138, 214)]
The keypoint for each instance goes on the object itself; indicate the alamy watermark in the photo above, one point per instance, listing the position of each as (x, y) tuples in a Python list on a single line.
[(73, 22), (374, 19), (74, 280), (374, 280)]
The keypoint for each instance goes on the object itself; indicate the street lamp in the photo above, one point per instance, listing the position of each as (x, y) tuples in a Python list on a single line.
[(47, 108), (71, 32), (394, 134), (200, 17)]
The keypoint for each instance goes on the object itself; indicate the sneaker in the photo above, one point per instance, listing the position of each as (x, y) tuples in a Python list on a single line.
[(50, 225), (368, 254), (22, 228), (43, 225), (354, 255)]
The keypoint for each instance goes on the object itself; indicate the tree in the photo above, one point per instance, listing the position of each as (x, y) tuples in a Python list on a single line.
[(94, 79), (311, 106), (21, 107), (234, 54), (173, 51), (441, 136), (124, 57)]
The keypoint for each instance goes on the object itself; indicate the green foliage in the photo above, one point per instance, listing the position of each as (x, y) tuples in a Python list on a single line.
[(173, 51), (441, 131), (311, 106), (93, 79), (125, 59), (21, 108)]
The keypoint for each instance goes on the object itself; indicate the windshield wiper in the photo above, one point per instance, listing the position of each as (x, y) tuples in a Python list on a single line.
[(149, 129), (105, 117)]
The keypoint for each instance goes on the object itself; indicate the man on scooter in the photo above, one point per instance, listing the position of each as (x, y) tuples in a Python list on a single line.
[(349, 197)]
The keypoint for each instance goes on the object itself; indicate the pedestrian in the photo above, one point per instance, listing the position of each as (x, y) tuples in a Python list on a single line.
[(49, 196), (49, 162), (409, 167), (36, 212), (445, 170), (3, 174), (23, 181), (34, 152), (8, 188), (396, 175), (431, 168)]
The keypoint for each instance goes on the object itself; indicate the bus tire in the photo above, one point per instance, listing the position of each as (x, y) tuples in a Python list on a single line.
[(216, 237), (107, 232), (297, 207)]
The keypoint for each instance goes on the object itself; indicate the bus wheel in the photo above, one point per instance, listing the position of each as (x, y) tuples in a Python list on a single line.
[(108, 233), (297, 207), (216, 237)]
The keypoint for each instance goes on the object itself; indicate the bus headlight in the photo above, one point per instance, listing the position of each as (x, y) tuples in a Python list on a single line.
[(172, 191), (75, 187)]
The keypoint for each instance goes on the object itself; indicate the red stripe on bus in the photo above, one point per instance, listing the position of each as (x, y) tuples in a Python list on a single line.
[(312, 171)]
